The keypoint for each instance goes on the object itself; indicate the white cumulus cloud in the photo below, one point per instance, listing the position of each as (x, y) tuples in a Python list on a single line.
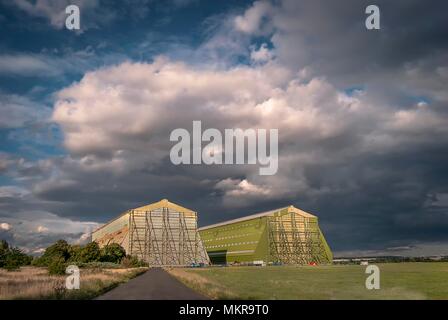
[(5, 226)]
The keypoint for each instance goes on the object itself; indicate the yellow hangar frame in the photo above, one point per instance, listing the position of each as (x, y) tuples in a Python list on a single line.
[(162, 234)]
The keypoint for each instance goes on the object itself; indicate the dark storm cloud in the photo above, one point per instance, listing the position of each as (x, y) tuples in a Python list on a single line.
[(389, 202), (6, 235), (405, 62), (369, 181), (331, 38), (362, 116)]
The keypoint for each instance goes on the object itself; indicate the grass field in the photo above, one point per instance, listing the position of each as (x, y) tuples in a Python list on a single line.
[(398, 281), (35, 283)]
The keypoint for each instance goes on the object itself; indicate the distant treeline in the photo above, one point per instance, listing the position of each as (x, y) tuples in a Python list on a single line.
[(389, 259), (61, 254)]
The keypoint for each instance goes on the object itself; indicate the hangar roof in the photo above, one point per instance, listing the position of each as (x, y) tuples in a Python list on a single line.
[(258, 215), (164, 203)]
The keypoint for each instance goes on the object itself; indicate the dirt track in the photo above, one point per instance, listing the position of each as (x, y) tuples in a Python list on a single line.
[(155, 284)]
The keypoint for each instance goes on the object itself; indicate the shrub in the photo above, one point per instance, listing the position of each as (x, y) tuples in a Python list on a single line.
[(56, 266), (11, 263), (59, 250), (12, 258), (112, 253), (39, 262), (99, 265), (17, 256), (90, 253), (4, 248), (75, 253), (133, 262), (4, 245)]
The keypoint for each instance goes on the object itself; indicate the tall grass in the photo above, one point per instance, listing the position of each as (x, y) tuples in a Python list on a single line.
[(35, 283)]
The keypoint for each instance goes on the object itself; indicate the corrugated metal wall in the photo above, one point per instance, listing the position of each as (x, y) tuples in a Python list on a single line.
[(285, 236), (116, 231), (236, 242)]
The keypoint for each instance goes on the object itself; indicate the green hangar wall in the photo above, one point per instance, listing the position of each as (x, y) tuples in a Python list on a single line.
[(287, 235)]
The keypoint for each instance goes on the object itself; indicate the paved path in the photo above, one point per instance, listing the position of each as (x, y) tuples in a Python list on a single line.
[(154, 284)]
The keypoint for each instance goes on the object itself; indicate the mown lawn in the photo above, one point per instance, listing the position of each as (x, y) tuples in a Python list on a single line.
[(397, 281)]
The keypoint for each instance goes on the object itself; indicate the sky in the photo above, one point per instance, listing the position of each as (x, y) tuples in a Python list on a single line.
[(362, 115)]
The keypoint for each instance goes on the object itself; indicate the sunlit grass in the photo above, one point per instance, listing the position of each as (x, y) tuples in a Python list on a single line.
[(398, 281), (35, 283)]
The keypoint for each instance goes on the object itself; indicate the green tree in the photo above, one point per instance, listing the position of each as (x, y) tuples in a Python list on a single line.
[(112, 253), (59, 250), (4, 245), (4, 248), (90, 253), (75, 253), (15, 258), (12, 258), (56, 266)]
